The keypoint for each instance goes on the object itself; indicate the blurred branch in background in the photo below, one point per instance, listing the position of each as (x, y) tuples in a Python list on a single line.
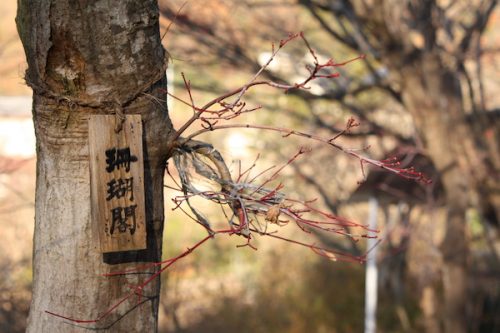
[(8, 166), (15, 265)]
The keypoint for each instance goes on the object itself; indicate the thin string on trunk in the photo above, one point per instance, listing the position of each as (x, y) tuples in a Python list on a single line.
[(119, 116), (117, 105)]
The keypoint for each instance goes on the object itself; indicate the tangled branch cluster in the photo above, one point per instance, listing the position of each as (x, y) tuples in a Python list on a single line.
[(254, 208)]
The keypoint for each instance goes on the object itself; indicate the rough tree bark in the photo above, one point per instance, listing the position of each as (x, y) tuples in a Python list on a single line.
[(85, 58)]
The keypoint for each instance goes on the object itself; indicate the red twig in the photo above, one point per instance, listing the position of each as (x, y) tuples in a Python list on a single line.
[(409, 173)]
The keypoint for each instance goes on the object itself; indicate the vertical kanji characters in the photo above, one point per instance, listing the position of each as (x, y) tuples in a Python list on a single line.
[(122, 216), (116, 158), (118, 188)]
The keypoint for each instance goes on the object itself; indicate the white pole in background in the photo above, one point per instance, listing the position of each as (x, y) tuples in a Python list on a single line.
[(371, 272), (170, 85)]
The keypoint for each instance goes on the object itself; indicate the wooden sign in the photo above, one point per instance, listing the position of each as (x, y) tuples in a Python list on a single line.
[(117, 183)]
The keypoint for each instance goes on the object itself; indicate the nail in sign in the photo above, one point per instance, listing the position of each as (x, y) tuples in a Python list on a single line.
[(117, 183)]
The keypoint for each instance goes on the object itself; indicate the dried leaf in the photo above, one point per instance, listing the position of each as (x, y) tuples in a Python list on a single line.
[(273, 214)]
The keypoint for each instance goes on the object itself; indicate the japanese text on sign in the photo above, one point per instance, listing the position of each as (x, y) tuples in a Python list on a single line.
[(122, 217), (117, 183)]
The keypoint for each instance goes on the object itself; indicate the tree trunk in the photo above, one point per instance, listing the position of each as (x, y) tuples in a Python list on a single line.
[(432, 94), (87, 58)]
